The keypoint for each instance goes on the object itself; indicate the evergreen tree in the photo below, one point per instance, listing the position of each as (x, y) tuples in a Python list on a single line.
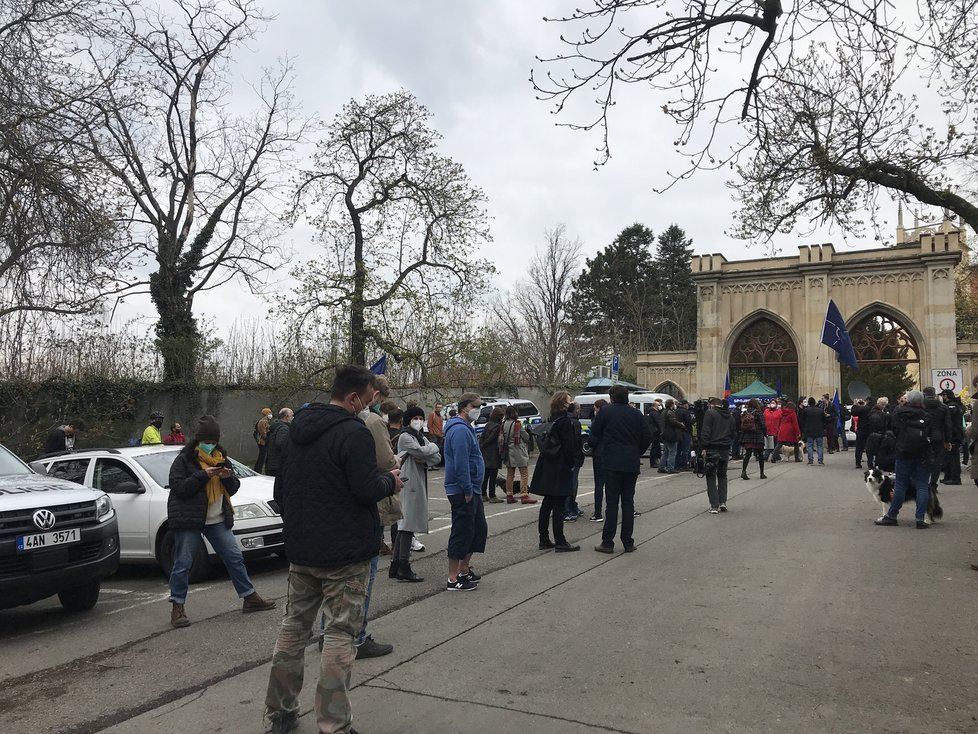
[(614, 294), (675, 322)]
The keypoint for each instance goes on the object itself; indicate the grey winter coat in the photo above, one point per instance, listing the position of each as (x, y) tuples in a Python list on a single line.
[(421, 453), (514, 434)]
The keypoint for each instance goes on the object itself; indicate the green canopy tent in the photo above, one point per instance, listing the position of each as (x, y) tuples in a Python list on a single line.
[(756, 389)]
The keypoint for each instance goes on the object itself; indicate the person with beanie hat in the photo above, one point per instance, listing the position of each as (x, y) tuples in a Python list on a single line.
[(261, 438), (418, 454), (201, 486)]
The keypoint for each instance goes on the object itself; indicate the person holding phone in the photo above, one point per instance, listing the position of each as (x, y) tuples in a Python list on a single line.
[(202, 483)]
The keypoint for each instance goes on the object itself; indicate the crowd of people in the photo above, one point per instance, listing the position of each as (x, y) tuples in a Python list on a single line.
[(349, 470)]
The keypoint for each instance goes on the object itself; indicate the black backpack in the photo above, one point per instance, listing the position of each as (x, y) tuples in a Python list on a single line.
[(913, 440), (547, 441)]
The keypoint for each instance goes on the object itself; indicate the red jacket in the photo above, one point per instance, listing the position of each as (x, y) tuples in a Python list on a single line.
[(788, 430), (172, 439), (772, 420)]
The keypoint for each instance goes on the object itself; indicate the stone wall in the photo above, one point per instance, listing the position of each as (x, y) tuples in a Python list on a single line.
[(115, 414)]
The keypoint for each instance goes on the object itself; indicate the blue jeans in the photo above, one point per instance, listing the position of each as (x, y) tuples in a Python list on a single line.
[(915, 473), (819, 442), (669, 455), (366, 604), (682, 452), (598, 486), (226, 547)]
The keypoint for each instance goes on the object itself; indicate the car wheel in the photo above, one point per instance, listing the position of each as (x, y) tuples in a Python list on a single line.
[(587, 448), (200, 569), (80, 598)]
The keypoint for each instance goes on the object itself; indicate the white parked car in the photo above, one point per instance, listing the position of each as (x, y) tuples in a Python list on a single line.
[(137, 479)]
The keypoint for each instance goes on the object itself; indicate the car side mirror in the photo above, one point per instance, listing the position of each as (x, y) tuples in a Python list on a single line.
[(130, 488)]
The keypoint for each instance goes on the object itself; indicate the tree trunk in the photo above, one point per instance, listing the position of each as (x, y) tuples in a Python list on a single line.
[(177, 335)]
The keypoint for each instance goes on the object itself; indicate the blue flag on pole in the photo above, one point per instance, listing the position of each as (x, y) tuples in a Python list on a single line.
[(726, 389), (380, 366), (777, 388), (835, 336), (838, 412)]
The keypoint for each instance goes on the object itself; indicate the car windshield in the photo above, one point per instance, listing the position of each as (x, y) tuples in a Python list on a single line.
[(525, 410), (157, 465), (10, 465)]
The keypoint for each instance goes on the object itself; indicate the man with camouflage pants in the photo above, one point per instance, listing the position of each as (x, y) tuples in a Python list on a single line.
[(329, 486)]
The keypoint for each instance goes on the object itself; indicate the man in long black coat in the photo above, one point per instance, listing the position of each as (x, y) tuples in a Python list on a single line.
[(621, 434)]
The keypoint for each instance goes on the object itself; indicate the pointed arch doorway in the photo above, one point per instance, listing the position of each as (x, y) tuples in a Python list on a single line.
[(764, 351), (887, 353)]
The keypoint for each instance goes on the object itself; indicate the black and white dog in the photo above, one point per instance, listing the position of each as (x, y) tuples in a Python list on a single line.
[(880, 486)]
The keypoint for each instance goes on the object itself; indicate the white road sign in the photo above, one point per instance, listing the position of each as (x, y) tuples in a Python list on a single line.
[(948, 379)]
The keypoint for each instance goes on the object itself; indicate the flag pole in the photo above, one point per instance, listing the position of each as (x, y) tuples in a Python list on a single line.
[(811, 381)]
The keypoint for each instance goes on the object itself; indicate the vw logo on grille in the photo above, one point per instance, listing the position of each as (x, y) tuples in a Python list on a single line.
[(44, 519)]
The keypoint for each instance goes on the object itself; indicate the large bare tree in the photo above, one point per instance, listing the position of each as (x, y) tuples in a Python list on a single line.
[(396, 220), (534, 320), (816, 106), (199, 177), (60, 242)]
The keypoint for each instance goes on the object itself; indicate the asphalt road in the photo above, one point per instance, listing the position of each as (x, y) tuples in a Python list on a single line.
[(790, 613)]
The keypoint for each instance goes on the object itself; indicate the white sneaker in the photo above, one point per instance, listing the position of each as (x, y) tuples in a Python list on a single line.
[(416, 545), (714, 511)]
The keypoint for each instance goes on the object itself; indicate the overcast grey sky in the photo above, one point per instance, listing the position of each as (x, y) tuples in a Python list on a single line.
[(469, 63)]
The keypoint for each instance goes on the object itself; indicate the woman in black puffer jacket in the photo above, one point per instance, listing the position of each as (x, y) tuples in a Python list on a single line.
[(201, 486)]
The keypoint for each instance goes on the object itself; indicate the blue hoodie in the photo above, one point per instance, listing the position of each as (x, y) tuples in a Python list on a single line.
[(464, 466)]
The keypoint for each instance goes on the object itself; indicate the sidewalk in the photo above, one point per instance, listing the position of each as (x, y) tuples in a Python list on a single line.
[(792, 613)]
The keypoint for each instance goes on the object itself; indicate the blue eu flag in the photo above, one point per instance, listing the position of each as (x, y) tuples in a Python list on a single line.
[(380, 366), (835, 336)]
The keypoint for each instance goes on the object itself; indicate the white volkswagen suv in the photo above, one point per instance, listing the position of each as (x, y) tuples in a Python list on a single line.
[(137, 480)]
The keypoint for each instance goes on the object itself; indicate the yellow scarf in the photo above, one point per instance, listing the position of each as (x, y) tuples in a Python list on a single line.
[(215, 488)]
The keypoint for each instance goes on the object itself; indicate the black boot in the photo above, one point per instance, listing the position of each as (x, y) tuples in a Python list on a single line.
[(763, 475), (394, 571), (404, 572), (743, 471)]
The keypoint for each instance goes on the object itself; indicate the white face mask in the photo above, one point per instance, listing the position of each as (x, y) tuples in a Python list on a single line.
[(474, 414), (417, 424), (384, 417)]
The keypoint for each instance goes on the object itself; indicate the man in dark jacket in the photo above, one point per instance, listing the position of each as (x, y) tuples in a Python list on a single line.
[(62, 438), (860, 411), (655, 425), (330, 486), (912, 459), (719, 427), (939, 418), (276, 440), (952, 461), (812, 422), (621, 434), (684, 414)]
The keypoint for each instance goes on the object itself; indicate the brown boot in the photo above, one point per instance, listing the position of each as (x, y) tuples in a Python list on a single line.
[(178, 617), (254, 603)]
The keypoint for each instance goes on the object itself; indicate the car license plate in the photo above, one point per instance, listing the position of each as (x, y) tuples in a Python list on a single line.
[(47, 540)]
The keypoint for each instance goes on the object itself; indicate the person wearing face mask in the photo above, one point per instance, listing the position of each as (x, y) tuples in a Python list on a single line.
[(152, 436), (199, 503), (464, 472), (419, 454), (553, 475), (772, 424), (330, 485)]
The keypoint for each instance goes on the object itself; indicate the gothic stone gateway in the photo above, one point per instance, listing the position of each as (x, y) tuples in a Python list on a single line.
[(768, 312)]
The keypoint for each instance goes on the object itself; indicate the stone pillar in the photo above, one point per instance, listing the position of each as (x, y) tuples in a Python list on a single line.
[(711, 366), (818, 365)]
